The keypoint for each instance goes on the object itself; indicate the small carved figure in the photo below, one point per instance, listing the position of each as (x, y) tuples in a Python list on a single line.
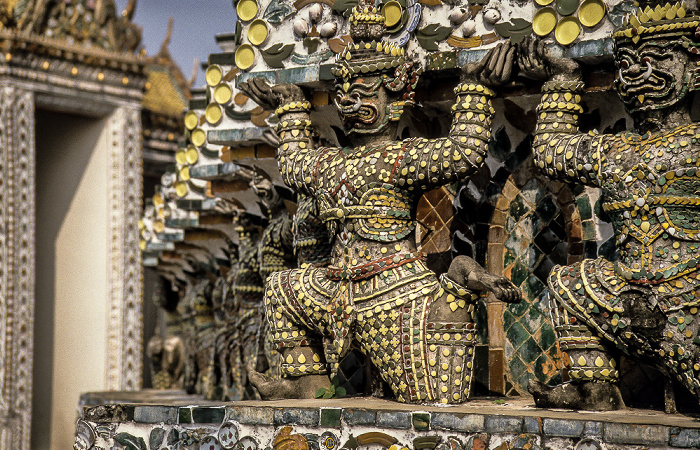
[(167, 361), (206, 381), (646, 301), (167, 354), (195, 308), (220, 326), (79, 21), (377, 292)]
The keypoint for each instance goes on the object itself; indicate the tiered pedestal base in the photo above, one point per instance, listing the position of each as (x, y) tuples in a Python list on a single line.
[(367, 423)]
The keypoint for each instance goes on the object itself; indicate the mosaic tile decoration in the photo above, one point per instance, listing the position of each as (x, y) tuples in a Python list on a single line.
[(545, 225), (523, 226), (375, 424), (435, 215), (536, 241), (531, 224)]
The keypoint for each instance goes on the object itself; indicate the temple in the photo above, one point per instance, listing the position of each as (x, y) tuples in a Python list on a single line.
[(393, 224)]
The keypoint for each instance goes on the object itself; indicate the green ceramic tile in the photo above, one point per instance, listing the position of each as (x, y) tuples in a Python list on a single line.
[(508, 319), (584, 207), (547, 336), (518, 309), (421, 421), (185, 415), (517, 335), (529, 351), (535, 285), (330, 417), (532, 321), (508, 258), (517, 208), (523, 380), (519, 273), (517, 367), (208, 415)]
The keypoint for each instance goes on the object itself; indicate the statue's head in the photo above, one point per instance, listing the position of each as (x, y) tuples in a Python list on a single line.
[(657, 57), (262, 186), (374, 79)]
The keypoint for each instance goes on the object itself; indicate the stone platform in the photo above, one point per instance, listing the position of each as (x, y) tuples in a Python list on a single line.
[(368, 423)]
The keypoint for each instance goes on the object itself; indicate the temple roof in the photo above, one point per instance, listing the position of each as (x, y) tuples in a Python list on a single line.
[(167, 89)]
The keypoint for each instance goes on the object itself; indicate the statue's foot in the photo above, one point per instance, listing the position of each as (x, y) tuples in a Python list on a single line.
[(293, 387), (588, 395)]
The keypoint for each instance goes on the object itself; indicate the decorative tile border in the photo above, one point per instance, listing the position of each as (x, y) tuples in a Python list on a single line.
[(351, 423)]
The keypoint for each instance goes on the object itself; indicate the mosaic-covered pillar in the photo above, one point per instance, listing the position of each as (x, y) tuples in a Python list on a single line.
[(17, 212), (536, 224)]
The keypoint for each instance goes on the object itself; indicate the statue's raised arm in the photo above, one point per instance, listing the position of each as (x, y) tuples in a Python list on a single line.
[(429, 163), (294, 128), (559, 149)]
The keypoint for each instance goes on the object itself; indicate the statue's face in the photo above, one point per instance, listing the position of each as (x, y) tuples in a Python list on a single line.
[(653, 74), (265, 190), (362, 104)]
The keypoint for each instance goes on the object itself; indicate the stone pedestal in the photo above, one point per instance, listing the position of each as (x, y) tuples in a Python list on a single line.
[(378, 424)]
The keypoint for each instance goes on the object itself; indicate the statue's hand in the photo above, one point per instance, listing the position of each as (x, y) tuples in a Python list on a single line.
[(494, 69), (270, 97), (501, 287), (536, 62)]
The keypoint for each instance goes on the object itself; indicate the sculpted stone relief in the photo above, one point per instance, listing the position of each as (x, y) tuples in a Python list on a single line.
[(344, 271)]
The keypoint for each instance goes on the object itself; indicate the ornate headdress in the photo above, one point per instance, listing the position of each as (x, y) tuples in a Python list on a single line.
[(677, 27), (368, 54), (657, 21)]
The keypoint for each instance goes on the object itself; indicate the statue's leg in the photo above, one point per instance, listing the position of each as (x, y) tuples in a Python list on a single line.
[(421, 338), (267, 353), (249, 347), (222, 361), (592, 368), (451, 346), (212, 378), (235, 365), (296, 325)]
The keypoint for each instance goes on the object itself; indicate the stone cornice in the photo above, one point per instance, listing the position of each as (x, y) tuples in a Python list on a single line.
[(57, 61)]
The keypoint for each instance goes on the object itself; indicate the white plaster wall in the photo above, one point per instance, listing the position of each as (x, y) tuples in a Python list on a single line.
[(72, 273)]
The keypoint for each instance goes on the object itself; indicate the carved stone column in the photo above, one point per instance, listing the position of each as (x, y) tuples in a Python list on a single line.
[(125, 334), (17, 150)]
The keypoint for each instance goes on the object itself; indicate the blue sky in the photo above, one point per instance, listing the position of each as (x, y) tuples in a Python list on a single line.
[(196, 24)]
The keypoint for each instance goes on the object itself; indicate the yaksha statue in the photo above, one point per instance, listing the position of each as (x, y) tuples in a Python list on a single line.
[(645, 302), (377, 292)]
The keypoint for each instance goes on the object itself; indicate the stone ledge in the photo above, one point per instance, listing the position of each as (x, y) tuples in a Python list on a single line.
[(411, 425)]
